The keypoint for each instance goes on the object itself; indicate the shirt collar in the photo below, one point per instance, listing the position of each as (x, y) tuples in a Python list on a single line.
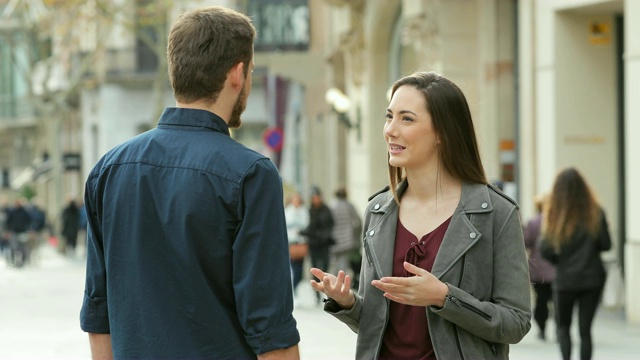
[(174, 116)]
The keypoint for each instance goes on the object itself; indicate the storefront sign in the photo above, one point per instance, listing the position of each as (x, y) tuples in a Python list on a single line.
[(281, 24)]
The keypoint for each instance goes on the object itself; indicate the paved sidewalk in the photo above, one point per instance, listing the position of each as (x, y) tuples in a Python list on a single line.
[(39, 309)]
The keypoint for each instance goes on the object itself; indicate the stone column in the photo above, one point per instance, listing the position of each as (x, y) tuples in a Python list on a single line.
[(632, 166)]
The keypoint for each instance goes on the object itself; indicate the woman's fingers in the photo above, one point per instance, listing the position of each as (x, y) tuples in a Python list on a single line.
[(318, 273)]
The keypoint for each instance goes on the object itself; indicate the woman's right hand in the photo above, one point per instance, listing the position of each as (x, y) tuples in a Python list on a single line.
[(336, 287)]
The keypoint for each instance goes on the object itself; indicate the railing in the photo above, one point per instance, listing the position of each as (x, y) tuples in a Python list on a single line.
[(128, 63), (13, 108), (120, 62)]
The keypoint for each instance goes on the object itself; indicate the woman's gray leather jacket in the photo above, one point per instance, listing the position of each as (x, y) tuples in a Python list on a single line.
[(483, 261)]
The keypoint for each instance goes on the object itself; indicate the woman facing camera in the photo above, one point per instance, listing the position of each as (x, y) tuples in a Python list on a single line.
[(445, 272)]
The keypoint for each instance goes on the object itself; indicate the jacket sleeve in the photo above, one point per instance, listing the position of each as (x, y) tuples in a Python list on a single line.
[(261, 270), (505, 317)]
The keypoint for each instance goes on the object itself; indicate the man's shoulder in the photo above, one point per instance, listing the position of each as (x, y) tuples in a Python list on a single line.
[(225, 156)]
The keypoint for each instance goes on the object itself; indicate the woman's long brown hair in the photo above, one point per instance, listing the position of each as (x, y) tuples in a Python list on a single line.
[(570, 205), (449, 110)]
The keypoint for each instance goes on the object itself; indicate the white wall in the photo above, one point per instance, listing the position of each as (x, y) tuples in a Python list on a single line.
[(586, 114), (632, 166)]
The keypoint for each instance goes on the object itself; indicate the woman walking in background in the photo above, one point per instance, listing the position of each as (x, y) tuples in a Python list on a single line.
[(575, 232), (541, 272)]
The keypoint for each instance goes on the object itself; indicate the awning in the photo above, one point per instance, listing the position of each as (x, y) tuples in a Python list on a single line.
[(24, 176)]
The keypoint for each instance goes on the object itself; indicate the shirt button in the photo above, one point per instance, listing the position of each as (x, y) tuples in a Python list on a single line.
[(371, 233), (484, 205), (472, 235), (377, 207)]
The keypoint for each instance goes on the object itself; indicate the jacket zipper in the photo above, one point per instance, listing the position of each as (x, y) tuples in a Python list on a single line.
[(455, 333), (377, 273), (467, 306), (463, 304), (492, 346), (367, 252)]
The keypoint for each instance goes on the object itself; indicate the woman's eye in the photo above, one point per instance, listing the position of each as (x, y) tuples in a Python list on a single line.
[(389, 116), (406, 118)]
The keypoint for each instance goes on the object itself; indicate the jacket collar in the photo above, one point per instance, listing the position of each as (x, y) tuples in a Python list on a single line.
[(475, 198), (459, 238)]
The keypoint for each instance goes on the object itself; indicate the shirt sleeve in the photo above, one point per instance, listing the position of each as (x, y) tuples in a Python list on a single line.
[(94, 314), (261, 269)]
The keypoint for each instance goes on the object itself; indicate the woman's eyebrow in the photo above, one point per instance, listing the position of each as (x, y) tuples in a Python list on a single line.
[(403, 112)]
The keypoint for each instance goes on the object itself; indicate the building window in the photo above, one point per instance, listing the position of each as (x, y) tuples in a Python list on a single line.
[(151, 17)]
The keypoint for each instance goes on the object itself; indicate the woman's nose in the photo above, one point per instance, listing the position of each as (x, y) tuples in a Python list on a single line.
[(389, 128)]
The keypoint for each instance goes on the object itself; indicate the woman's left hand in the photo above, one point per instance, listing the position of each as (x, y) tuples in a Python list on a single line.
[(423, 289)]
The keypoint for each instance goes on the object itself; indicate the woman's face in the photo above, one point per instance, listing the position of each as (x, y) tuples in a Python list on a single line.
[(408, 131)]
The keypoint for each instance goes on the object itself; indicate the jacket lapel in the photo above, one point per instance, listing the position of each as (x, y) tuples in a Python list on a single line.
[(382, 235), (462, 234)]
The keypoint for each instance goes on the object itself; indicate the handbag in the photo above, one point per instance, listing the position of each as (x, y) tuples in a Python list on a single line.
[(297, 251)]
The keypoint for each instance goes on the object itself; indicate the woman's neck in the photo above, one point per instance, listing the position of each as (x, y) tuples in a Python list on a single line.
[(429, 184)]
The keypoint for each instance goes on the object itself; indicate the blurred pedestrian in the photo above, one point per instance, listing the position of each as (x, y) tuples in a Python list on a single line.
[(575, 232), (18, 226), (541, 272), (38, 225), (187, 239), (70, 225), (319, 232), (347, 229), (297, 221), (4, 233), (445, 271)]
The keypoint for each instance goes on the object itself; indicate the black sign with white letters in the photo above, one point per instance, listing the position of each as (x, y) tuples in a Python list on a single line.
[(281, 24)]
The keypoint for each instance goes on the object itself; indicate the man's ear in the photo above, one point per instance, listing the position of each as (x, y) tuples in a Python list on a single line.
[(236, 75)]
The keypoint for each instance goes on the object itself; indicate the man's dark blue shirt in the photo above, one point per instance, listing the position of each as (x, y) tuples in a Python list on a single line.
[(187, 250)]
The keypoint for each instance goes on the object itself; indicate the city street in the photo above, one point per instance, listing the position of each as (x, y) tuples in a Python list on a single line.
[(39, 307)]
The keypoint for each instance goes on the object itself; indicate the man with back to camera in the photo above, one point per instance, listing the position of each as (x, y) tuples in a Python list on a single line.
[(187, 251)]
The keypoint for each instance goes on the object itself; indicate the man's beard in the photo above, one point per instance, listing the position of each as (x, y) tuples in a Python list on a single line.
[(238, 109)]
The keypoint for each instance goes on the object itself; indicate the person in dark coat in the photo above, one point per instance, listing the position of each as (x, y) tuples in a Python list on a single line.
[(18, 219), (70, 226), (18, 225), (319, 232)]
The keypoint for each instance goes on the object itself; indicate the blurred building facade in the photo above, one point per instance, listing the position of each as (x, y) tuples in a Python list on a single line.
[(549, 83), (39, 117)]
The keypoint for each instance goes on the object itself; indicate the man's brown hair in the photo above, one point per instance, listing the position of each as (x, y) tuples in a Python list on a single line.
[(204, 44)]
